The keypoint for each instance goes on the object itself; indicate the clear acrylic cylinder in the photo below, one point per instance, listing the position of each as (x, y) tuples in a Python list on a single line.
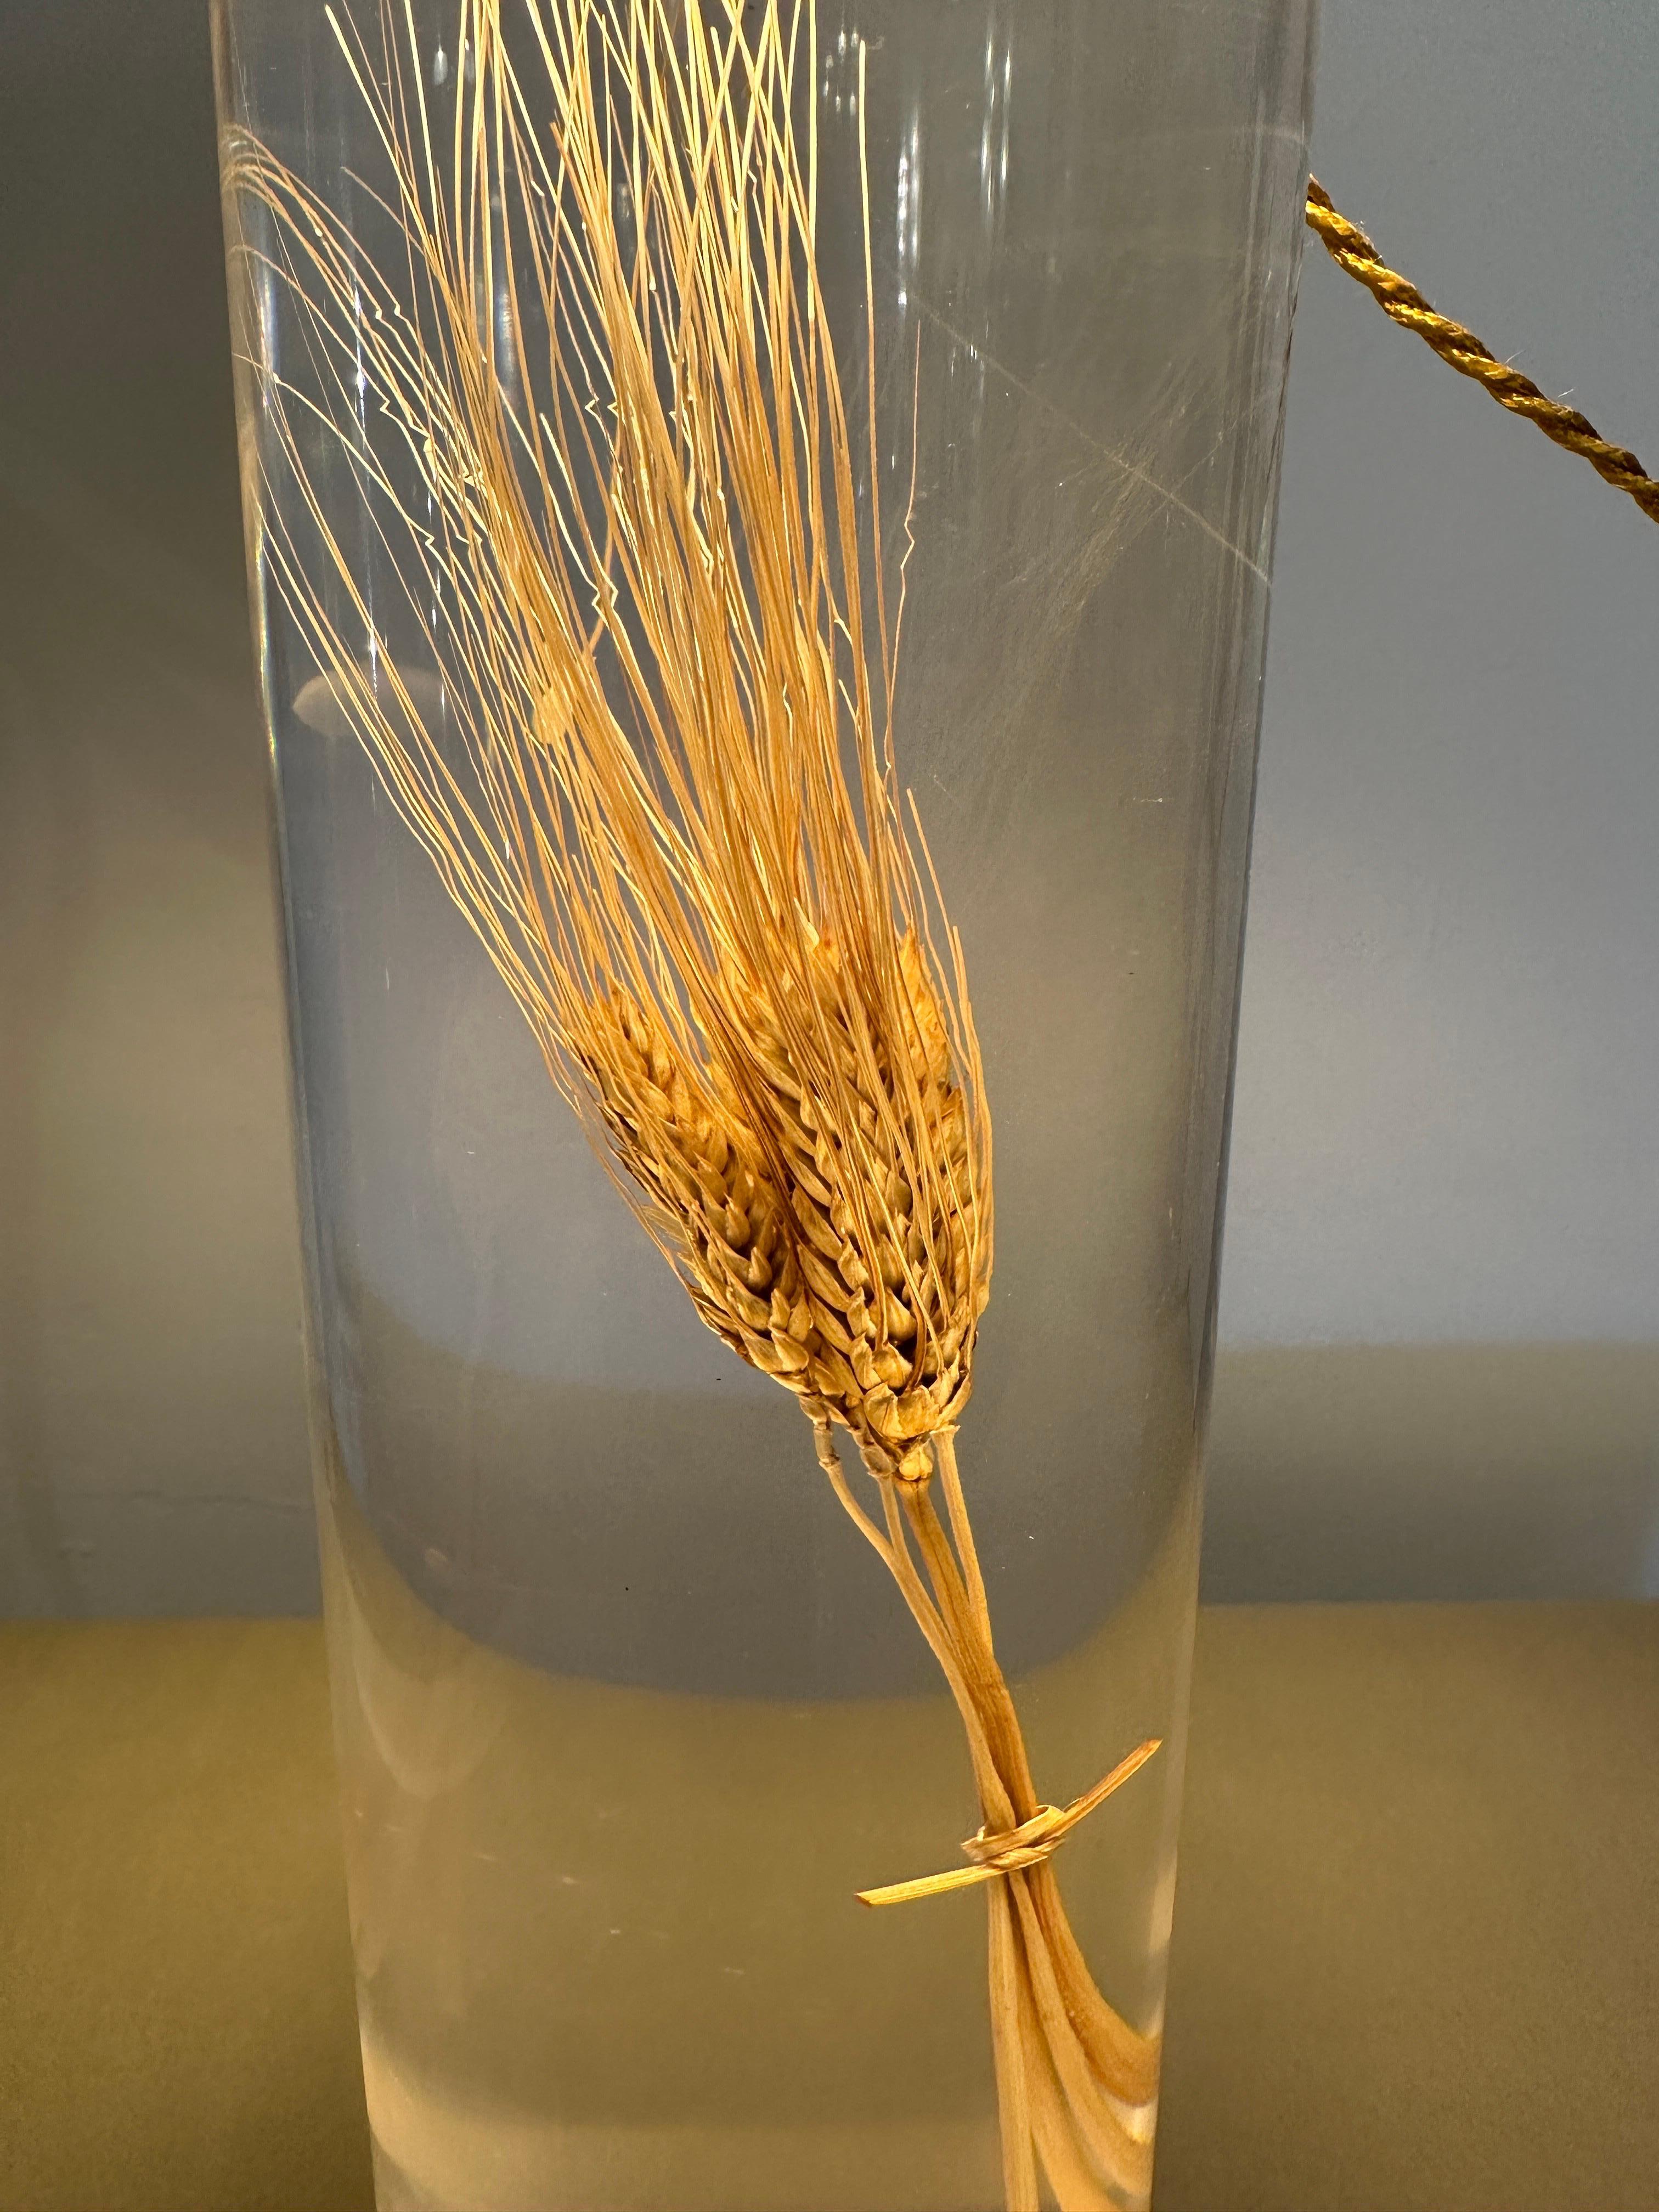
[(628, 1709)]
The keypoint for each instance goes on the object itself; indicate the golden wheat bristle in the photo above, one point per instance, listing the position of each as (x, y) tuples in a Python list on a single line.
[(659, 665)]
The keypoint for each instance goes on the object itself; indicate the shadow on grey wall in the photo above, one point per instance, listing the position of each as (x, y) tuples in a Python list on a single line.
[(1434, 1471), (152, 1429), (1339, 1472)]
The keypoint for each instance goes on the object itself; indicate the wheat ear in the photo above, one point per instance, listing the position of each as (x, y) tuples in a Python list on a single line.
[(661, 788)]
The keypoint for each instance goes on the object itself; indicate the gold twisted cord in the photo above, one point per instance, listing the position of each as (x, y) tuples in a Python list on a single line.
[(1012, 1849), (1352, 252)]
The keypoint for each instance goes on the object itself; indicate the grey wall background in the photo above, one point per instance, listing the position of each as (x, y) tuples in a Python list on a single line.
[(1440, 1301)]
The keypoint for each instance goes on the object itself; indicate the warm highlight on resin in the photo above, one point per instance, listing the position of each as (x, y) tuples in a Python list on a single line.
[(670, 806)]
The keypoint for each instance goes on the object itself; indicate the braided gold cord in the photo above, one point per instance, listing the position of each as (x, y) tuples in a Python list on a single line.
[(1353, 253)]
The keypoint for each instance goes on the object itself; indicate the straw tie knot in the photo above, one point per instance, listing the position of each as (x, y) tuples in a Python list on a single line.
[(1011, 1851)]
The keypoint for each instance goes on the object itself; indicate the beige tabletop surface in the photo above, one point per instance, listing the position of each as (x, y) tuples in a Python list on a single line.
[(1417, 1942)]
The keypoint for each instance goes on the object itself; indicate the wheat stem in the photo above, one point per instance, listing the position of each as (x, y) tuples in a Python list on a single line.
[(1077, 2188), (1019, 2174), (1090, 2050), (974, 1653), (945, 1448), (995, 1801)]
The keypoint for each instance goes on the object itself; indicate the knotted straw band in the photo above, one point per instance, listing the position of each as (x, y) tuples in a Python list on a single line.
[(1354, 254), (1012, 1849)]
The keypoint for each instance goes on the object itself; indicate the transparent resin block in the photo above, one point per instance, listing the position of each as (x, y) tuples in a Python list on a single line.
[(759, 525)]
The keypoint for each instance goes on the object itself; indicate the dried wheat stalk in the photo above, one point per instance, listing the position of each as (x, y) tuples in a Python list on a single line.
[(662, 789)]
